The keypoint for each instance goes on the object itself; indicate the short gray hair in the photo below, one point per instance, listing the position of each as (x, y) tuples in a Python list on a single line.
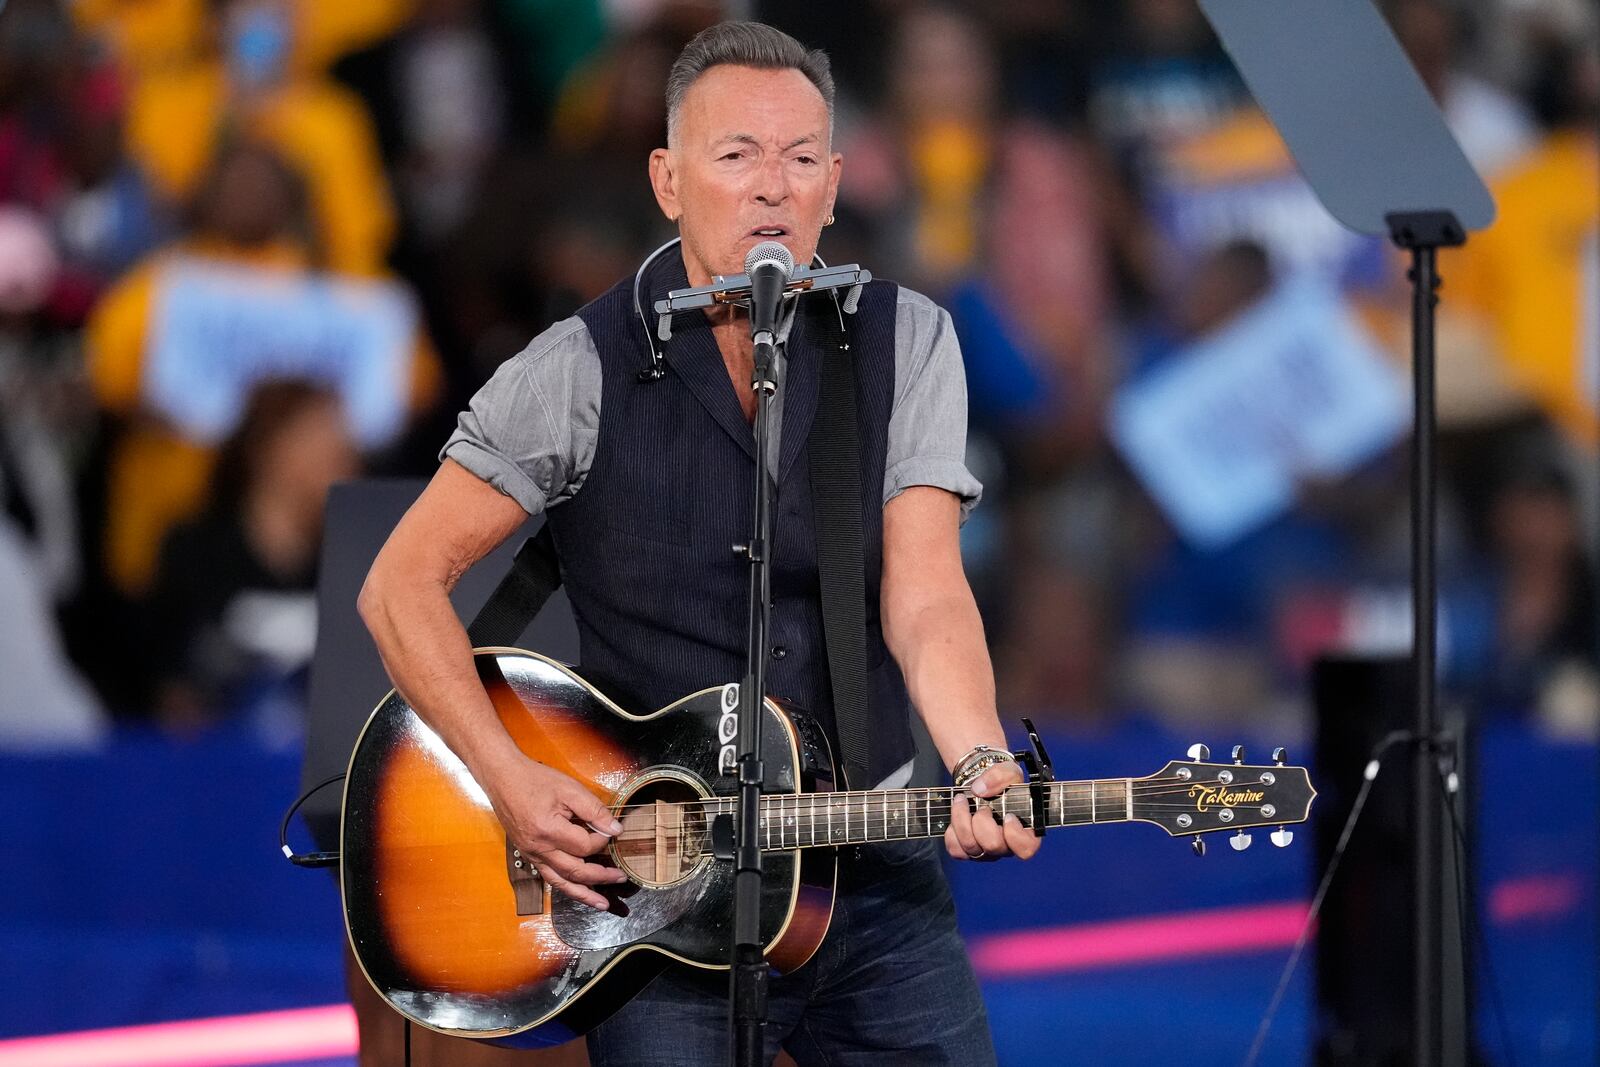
[(744, 44)]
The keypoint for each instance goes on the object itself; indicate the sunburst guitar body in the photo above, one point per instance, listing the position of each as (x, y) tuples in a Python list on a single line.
[(459, 938)]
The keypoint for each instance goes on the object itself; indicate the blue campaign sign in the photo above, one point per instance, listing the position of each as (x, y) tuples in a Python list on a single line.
[(1277, 210), (1222, 433), (222, 328)]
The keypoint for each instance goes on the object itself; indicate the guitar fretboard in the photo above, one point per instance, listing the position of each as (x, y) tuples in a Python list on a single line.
[(806, 820)]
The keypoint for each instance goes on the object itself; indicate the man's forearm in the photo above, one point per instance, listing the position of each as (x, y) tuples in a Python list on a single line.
[(428, 656), (944, 659)]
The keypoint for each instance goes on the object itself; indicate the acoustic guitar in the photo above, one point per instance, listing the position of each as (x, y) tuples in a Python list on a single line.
[(453, 928)]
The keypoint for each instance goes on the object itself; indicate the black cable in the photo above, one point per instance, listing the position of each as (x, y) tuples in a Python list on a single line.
[(1367, 778), (1471, 931), (306, 859)]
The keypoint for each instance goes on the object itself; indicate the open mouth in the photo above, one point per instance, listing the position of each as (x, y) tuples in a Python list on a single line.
[(769, 231)]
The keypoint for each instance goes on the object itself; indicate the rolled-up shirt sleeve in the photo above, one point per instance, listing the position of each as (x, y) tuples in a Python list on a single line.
[(928, 421), (531, 430)]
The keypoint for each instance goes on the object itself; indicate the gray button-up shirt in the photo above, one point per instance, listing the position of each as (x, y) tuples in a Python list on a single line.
[(531, 430)]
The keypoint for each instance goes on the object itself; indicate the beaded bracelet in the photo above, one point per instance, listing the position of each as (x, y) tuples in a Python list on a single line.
[(979, 759)]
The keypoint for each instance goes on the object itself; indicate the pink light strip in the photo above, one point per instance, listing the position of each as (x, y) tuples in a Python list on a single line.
[(330, 1032), (1054, 950), (1535, 897), (222, 1041)]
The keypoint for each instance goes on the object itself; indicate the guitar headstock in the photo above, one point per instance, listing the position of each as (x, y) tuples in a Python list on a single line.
[(1195, 796)]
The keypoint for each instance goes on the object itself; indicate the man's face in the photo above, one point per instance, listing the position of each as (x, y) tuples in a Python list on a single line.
[(750, 163)]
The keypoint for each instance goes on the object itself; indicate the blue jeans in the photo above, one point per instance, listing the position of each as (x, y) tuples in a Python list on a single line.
[(891, 984)]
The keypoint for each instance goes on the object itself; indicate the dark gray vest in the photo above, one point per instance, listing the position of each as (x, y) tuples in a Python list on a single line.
[(660, 599)]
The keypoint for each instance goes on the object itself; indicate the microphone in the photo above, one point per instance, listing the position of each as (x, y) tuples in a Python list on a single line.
[(768, 266)]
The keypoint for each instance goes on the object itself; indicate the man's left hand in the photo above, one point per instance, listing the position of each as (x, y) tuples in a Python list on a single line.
[(978, 836)]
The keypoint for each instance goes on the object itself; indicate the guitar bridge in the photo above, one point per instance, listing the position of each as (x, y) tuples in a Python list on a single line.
[(526, 885)]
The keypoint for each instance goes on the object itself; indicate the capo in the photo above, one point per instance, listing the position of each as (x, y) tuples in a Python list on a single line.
[(1038, 769)]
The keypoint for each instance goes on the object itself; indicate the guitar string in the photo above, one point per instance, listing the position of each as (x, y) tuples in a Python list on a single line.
[(831, 811), (808, 825), (1148, 788), (806, 822), (810, 820), (812, 811), (810, 814)]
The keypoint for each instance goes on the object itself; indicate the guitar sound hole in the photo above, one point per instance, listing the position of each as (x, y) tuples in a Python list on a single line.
[(663, 833)]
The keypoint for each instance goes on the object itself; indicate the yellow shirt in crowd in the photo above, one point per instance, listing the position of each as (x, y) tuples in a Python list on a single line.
[(158, 478), (1531, 274), (175, 119), (152, 34)]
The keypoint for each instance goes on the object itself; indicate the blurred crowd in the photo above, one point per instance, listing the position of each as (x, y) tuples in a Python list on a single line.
[(249, 248)]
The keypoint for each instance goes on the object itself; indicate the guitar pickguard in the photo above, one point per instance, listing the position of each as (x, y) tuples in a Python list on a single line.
[(636, 913)]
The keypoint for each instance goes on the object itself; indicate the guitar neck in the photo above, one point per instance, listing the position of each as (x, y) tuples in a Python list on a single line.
[(807, 820)]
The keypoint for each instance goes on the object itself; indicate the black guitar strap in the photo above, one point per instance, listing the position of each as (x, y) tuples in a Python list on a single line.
[(834, 452), (534, 575)]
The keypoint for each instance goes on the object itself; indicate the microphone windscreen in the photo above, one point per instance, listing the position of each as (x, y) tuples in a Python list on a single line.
[(773, 252)]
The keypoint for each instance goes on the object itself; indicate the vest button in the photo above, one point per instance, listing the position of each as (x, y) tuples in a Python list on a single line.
[(778, 652)]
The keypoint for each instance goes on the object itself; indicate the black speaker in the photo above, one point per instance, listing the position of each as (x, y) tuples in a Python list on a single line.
[(347, 678), (1365, 945)]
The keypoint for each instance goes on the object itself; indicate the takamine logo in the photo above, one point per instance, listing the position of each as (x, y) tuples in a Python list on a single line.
[(1206, 796)]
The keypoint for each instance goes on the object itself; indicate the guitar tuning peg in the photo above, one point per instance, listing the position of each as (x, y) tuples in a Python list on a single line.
[(1281, 837), (1279, 755), (1238, 753), (1198, 844), (1240, 841), (1199, 753)]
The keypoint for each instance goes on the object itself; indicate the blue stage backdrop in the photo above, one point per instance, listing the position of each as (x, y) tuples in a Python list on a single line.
[(143, 884)]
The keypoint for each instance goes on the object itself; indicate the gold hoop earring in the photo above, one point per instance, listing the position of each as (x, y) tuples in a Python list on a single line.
[(828, 221)]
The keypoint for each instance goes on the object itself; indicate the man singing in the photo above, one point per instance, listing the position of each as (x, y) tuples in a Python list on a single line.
[(646, 484)]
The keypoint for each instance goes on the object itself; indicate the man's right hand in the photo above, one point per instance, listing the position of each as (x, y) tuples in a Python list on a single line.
[(556, 822)]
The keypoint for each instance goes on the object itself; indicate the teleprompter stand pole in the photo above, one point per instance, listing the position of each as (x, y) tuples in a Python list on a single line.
[(748, 982), (1423, 233), (1372, 144)]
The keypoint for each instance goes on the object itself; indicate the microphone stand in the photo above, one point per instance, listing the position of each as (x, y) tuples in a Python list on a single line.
[(748, 982), (747, 989)]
